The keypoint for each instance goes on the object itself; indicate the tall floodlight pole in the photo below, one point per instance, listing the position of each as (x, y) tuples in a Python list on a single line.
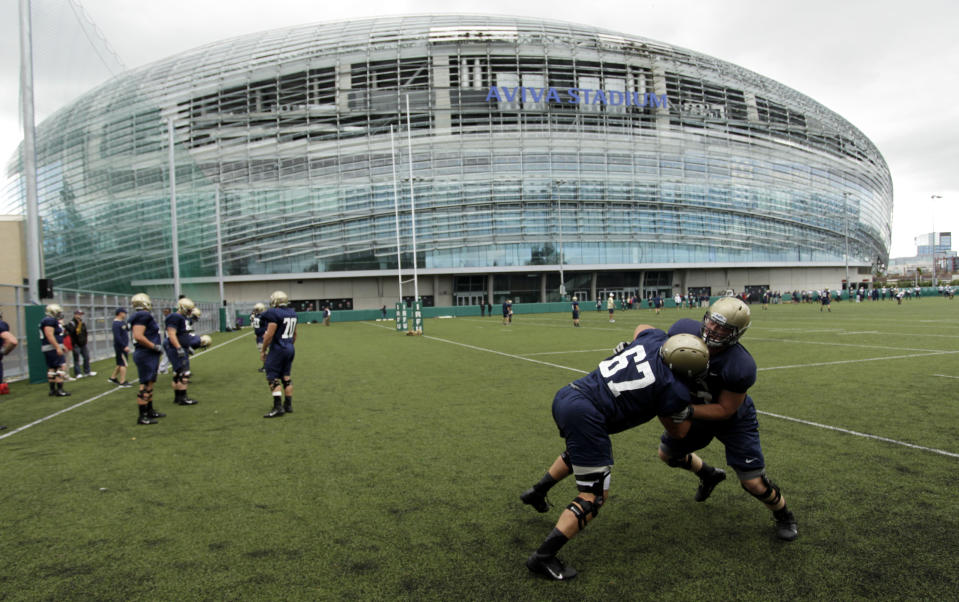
[(396, 212), (219, 245), (845, 226), (29, 156), (932, 212), (559, 211), (409, 141), (173, 225)]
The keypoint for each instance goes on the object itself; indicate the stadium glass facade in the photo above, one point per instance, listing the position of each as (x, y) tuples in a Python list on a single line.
[(534, 146)]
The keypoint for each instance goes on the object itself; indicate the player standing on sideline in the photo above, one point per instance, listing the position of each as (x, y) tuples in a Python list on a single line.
[(121, 347), (259, 328), (178, 339), (824, 300), (726, 412), (8, 343), (575, 312), (51, 337), (327, 313), (279, 338), (611, 306), (508, 312), (146, 355), (641, 381)]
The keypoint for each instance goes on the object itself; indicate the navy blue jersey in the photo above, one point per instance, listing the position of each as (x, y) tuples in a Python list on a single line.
[(57, 330), (285, 320), (121, 334), (731, 370), (256, 322), (634, 386), (178, 322), (151, 330), (4, 327), (575, 309)]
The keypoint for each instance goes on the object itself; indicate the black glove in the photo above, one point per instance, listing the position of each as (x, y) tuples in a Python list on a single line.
[(619, 348), (180, 352), (157, 349), (682, 415)]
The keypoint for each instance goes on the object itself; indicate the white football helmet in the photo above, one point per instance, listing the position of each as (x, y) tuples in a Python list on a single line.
[(725, 322), (141, 301), (185, 306), (259, 308), (54, 310), (279, 299), (205, 340), (196, 313)]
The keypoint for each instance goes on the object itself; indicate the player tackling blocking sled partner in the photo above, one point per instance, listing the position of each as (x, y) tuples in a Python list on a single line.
[(644, 379)]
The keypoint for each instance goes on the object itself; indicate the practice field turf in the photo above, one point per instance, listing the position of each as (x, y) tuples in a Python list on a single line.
[(398, 475)]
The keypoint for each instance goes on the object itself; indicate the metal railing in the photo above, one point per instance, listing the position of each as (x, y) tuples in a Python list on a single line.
[(99, 311)]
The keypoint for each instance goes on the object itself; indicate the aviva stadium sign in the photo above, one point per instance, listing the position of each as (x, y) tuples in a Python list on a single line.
[(576, 96)]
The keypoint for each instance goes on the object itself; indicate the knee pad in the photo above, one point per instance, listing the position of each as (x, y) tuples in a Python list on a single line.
[(182, 378), (566, 460), (682, 462), (585, 510), (594, 482), (771, 495), (287, 381), (51, 375), (275, 383)]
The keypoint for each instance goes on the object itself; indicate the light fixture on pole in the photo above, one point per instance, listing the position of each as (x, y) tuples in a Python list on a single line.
[(932, 245)]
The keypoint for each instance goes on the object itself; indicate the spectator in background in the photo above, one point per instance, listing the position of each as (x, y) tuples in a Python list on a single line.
[(489, 308), (611, 307), (79, 336), (121, 348), (8, 343)]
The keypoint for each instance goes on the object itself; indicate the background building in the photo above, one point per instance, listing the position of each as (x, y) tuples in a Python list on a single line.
[(538, 148)]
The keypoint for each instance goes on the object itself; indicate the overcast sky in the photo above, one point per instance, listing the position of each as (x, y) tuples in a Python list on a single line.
[(889, 67)]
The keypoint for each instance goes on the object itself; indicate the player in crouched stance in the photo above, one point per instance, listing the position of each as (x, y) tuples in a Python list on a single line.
[(723, 410), (277, 352), (146, 355), (641, 381)]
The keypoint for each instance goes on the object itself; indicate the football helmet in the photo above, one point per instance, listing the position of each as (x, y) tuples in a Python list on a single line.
[(686, 355), (185, 306), (205, 340), (259, 308), (279, 299), (54, 310), (725, 322), (141, 301), (196, 313)]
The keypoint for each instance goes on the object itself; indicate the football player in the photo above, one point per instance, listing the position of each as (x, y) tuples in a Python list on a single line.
[(259, 327), (8, 342), (121, 347), (575, 312), (178, 341), (277, 352), (724, 410), (146, 355), (824, 300), (51, 338), (641, 381)]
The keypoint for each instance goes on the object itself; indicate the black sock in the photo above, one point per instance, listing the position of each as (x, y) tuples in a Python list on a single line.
[(782, 514), (552, 544), (53, 386), (706, 471), (545, 484), (142, 408), (178, 395), (288, 401), (149, 406), (276, 402), (59, 386)]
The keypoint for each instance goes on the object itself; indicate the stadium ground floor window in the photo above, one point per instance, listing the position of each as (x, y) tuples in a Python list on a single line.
[(754, 292), (426, 300)]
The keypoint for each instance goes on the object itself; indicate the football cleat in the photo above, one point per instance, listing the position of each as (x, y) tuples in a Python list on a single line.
[(126, 383), (261, 369), (550, 567), (114, 381), (274, 413), (786, 527), (59, 393), (186, 401), (155, 414), (707, 484), (146, 420), (287, 409), (538, 501)]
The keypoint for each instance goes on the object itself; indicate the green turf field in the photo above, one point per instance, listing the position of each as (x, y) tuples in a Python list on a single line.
[(397, 477)]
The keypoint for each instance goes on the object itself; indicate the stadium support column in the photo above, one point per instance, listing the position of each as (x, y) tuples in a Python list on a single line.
[(489, 288), (441, 93), (542, 288), (174, 235), (659, 89), (592, 286)]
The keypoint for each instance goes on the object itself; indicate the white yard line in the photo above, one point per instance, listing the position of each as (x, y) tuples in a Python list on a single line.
[(113, 390), (780, 416)]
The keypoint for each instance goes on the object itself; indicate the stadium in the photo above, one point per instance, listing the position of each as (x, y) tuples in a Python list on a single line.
[(510, 157)]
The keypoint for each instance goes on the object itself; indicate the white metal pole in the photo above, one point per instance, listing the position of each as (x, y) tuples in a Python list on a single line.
[(845, 224), (409, 141), (219, 245), (559, 210), (173, 225), (396, 212), (29, 156), (932, 212)]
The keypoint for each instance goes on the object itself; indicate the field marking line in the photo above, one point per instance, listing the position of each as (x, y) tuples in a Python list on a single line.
[(869, 359), (96, 397), (858, 434), (764, 413), (945, 375), (888, 348)]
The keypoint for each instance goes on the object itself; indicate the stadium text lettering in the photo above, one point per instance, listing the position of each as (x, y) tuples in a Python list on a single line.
[(576, 96)]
